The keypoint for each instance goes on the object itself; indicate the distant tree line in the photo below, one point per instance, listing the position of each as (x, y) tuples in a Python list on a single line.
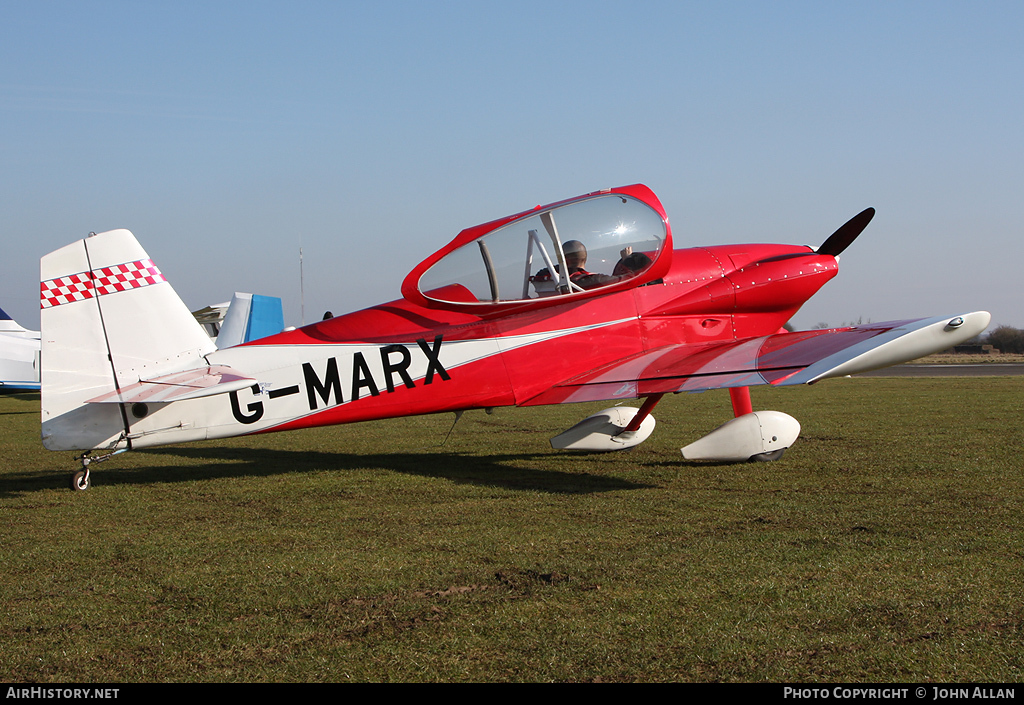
[(1006, 339)]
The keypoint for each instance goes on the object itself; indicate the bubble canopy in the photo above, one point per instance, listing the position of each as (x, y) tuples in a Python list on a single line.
[(598, 243)]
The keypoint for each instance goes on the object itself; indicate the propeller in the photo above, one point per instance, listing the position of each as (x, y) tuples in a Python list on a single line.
[(847, 233)]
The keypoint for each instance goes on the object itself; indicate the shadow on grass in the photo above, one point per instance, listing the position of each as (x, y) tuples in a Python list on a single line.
[(20, 396), (226, 462)]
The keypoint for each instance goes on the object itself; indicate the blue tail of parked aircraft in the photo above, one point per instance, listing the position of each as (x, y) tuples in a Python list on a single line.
[(250, 317)]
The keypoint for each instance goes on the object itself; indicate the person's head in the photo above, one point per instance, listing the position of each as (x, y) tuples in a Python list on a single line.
[(632, 264), (575, 254)]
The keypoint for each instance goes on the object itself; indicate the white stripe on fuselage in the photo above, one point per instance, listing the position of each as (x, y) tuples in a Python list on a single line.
[(300, 380)]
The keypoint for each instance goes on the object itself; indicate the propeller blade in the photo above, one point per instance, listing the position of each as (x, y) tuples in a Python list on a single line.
[(847, 233)]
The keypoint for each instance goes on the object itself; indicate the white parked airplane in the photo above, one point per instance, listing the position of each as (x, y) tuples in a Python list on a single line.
[(19, 355)]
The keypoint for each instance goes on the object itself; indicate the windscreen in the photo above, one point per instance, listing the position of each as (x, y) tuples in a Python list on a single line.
[(560, 251)]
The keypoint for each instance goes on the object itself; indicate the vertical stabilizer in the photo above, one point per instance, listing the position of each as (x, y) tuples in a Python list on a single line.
[(108, 320), (266, 317), (250, 317), (236, 321)]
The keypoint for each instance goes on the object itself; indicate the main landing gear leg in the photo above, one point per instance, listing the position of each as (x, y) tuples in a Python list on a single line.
[(741, 403), (645, 411), (618, 428)]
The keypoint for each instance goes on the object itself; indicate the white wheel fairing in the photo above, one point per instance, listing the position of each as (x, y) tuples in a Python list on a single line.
[(746, 436), (605, 431)]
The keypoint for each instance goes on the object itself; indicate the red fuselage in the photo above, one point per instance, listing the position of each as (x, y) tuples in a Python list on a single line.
[(709, 294)]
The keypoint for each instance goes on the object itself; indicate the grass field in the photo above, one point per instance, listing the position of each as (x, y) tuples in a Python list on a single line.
[(886, 546), (967, 359)]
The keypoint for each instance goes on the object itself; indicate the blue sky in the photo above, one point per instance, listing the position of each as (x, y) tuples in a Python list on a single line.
[(227, 135)]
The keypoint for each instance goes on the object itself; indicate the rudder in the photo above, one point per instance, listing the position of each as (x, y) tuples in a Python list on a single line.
[(109, 319)]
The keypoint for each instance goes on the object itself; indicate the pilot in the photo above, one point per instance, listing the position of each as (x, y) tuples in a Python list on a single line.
[(575, 253), (575, 260), (628, 266)]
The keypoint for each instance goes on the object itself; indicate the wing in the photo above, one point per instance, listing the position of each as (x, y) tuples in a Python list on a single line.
[(782, 359)]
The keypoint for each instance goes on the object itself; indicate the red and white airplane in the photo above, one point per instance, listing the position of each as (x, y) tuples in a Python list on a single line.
[(578, 301)]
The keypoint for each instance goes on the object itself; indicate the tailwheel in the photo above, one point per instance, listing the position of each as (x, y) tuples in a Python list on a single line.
[(80, 480)]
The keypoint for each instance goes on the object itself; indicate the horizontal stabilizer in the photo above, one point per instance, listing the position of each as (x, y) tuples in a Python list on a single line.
[(191, 384)]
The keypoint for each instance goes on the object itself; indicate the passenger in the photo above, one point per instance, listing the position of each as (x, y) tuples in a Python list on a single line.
[(632, 263)]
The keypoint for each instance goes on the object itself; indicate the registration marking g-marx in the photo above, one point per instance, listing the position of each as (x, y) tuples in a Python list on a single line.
[(371, 370), (395, 360)]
